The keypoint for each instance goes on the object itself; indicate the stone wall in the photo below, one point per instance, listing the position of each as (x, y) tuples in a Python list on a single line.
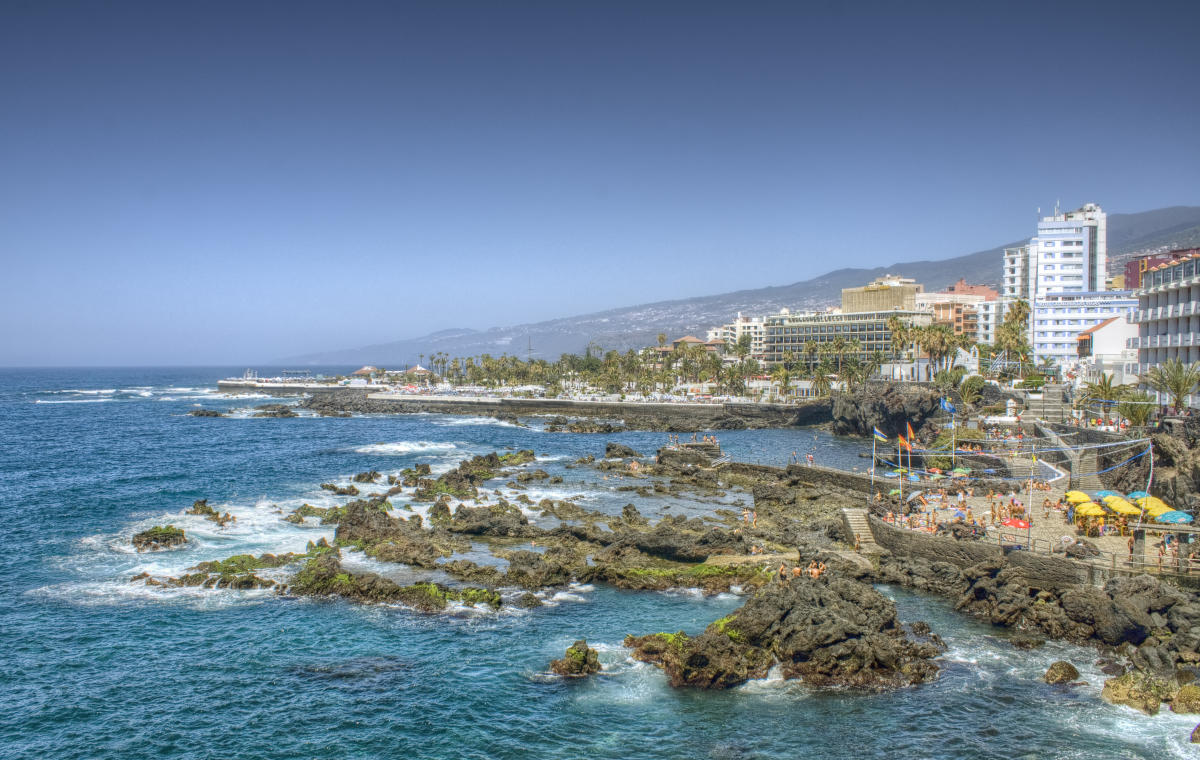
[(1037, 570)]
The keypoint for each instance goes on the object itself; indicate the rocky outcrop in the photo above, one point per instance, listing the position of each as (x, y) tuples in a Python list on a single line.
[(158, 538), (613, 450), (205, 413), (1061, 672), (200, 507), (370, 476), (464, 480), (324, 576), (564, 425), (337, 490), (887, 406), (275, 410), (825, 631), (580, 660)]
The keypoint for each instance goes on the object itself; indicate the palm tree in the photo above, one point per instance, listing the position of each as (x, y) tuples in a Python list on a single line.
[(783, 376), (821, 384), (1174, 378), (1136, 407)]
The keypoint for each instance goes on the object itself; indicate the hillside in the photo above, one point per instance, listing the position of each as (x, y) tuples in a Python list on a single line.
[(639, 325)]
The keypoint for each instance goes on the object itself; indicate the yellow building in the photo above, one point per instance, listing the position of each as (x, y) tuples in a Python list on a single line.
[(883, 294)]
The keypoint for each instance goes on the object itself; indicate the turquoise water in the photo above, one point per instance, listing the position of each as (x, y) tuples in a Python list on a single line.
[(95, 666)]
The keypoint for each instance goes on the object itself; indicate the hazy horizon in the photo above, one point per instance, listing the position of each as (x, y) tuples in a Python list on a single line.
[(231, 183)]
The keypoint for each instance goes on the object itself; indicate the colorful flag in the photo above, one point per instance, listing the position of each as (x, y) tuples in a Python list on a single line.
[(879, 436), (948, 407), (904, 442), (911, 435)]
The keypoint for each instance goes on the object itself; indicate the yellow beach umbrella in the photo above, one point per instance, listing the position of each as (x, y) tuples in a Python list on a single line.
[(1090, 509), (1122, 507), (1077, 497), (1110, 497), (1153, 505)]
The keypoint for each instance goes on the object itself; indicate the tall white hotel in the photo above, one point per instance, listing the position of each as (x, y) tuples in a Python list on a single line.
[(1062, 273)]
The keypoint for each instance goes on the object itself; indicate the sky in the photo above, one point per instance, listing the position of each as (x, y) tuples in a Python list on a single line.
[(230, 182)]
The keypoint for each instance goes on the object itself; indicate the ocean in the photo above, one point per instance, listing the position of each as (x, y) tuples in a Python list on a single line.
[(96, 666)]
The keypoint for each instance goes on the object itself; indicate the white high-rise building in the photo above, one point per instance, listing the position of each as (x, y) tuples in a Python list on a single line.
[(1062, 273), (1068, 255)]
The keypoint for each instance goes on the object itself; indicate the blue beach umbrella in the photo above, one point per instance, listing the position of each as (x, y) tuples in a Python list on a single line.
[(989, 472), (1101, 494), (1137, 495), (914, 476), (1174, 517), (891, 475)]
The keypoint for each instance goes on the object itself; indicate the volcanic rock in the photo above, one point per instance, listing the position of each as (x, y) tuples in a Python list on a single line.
[(580, 660)]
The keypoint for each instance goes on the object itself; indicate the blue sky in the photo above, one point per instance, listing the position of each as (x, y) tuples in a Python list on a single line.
[(196, 183)]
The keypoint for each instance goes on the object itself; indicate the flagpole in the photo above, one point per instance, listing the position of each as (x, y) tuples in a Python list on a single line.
[(871, 491), (900, 466)]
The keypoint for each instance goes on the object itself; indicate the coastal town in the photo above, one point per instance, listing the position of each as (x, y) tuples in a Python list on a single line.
[(706, 381)]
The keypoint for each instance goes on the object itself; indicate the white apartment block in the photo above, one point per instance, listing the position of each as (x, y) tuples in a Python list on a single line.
[(1168, 312), (731, 333), (1062, 273), (1057, 319)]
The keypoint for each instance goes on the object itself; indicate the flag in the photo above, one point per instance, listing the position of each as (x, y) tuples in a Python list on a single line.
[(879, 436), (905, 443), (911, 435), (948, 407)]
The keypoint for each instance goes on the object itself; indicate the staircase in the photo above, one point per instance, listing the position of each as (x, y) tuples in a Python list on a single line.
[(1051, 407), (857, 525)]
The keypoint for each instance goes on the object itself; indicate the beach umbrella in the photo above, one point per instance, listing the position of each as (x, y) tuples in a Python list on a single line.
[(890, 475), (939, 476), (1101, 494), (894, 492), (963, 470), (1077, 497), (1122, 507), (1153, 505), (959, 513), (935, 470), (1014, 522), (1174, 517), (913, 495), (1089, 509), (989, 472), (1137, 495), (899, 470), (914, 476)]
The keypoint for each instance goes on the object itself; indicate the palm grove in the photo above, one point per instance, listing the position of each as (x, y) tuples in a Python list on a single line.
[(839, 363)]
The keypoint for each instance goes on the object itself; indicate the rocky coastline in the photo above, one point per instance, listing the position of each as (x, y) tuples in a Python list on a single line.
[(835, 630)]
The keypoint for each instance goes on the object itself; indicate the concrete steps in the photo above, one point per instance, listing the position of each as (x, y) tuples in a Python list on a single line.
[(858, 526)]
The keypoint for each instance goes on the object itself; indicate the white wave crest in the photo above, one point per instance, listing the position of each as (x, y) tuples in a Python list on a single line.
[(404, 447), (73, 401)]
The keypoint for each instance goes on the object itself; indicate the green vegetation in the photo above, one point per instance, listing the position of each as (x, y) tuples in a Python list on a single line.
[(723, 626), (1175, 379)]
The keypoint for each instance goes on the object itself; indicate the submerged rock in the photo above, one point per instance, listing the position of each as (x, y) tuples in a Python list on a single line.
[(158, 538), (825, 631), (580, 660), (205, 413), (1061, 672)]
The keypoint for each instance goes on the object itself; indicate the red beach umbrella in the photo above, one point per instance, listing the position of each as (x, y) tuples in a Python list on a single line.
[(1014, 522)]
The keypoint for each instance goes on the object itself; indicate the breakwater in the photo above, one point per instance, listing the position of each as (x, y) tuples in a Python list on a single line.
[(675, 417)]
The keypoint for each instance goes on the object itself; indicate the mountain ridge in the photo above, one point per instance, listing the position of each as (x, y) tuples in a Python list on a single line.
[(638, 325)]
